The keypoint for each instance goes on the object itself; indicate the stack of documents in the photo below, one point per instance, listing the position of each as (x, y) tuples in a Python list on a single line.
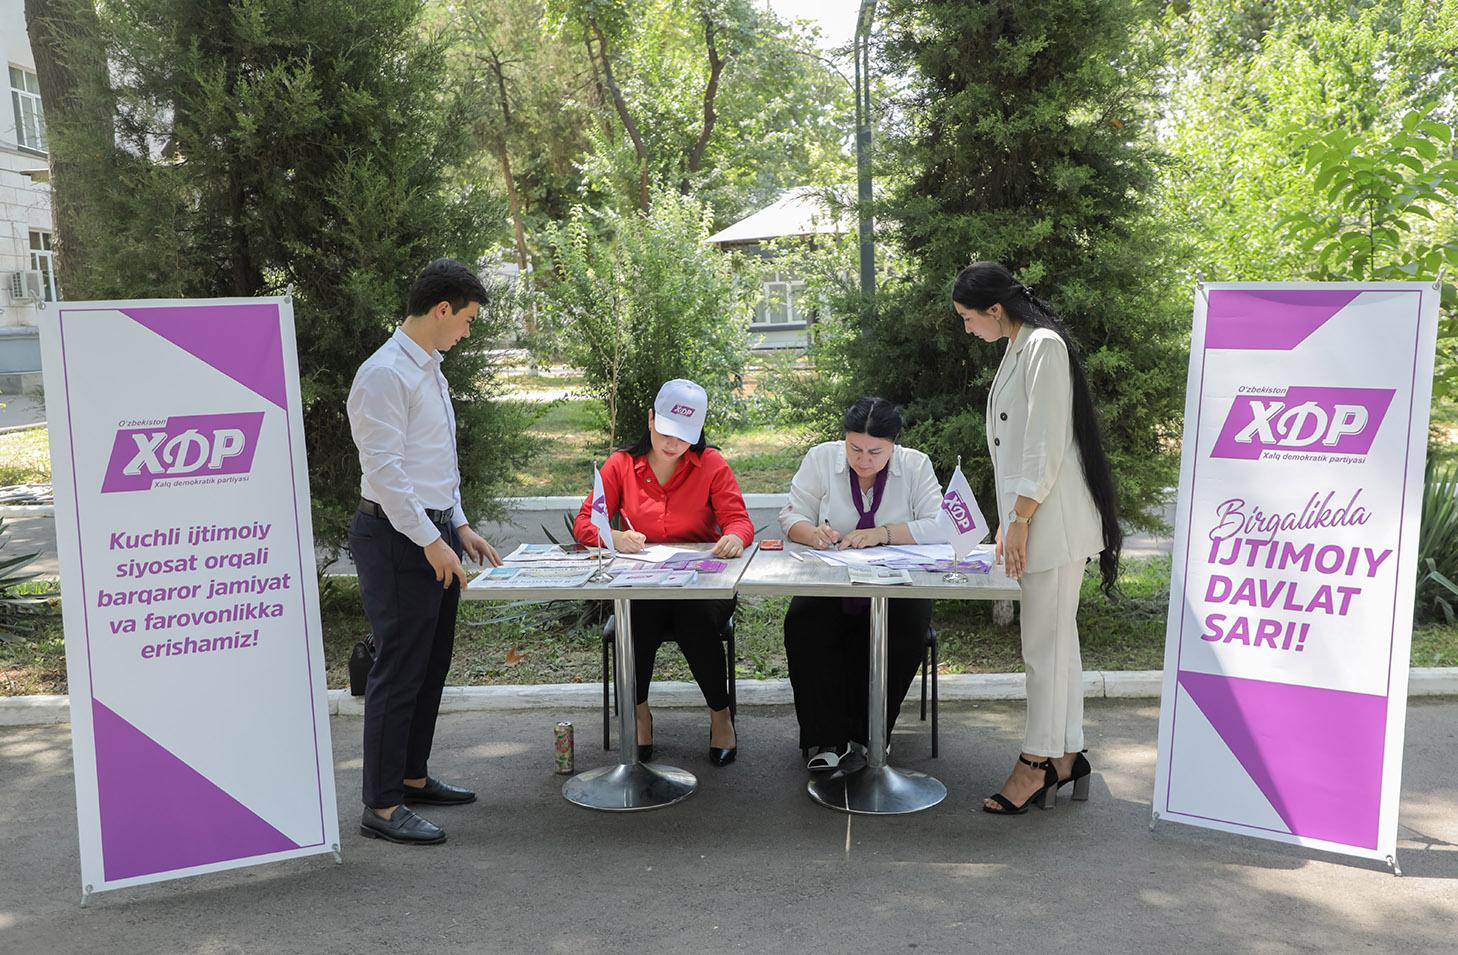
[(869, 574), (909, 557), (529, 576), (654, 578)]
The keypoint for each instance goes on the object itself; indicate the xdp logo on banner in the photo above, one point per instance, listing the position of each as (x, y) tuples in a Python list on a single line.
[(188, 445), (1341, 421)]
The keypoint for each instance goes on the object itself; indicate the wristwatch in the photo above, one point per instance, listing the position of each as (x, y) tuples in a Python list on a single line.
[(1015, 518)]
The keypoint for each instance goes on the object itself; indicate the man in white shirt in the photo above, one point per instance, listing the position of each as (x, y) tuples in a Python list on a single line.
[(407, 539)]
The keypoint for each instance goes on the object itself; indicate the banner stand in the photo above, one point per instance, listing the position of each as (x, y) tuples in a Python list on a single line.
[(1288, 639), (194, 653)]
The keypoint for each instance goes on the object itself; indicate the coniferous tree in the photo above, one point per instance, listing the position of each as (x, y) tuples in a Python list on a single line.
[(1018, 132), (264, 144)]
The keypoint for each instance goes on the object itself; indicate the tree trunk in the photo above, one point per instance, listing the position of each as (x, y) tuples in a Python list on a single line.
[(622, 107), (513, 202), (716, 70), (70, 64)]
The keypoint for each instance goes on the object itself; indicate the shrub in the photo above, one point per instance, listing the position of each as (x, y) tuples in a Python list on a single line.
[(639, 299)]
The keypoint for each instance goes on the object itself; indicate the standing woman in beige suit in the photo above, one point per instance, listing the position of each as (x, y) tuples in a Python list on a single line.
[(1057, 510)]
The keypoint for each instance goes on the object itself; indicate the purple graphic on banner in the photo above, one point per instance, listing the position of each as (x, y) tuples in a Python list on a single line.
[(1309, 420), (206, 445), (1270, 319), (1316, 754), (158, 814), (241, 341)]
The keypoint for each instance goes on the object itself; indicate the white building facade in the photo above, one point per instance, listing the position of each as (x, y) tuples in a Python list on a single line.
[(27, 240)]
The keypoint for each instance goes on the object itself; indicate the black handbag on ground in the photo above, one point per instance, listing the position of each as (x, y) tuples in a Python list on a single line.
[(361, 658)]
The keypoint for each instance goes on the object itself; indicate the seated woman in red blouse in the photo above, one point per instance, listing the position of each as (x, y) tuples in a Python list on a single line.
[(673, 488)]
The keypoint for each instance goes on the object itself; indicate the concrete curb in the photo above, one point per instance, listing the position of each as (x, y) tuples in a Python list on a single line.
[(27, 510), (1097, 684)]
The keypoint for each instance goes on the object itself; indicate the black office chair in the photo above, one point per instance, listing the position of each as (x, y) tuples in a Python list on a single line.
[(609, 634), (929, 652)]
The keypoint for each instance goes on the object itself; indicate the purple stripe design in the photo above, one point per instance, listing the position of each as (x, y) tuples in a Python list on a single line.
[(241, 341), (1270, 319), (1315, 754), (158, 814)]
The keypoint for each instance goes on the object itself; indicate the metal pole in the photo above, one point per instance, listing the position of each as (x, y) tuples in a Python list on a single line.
[(876, 743), (627, 684), (863, 148)]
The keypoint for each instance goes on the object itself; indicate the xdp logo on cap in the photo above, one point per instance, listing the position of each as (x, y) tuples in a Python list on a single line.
[(190, 445), (682, 410), (1311, 420), (959, 512)]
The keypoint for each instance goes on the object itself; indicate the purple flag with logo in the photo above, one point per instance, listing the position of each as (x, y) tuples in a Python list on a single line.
[(960, 518), (600, 514)]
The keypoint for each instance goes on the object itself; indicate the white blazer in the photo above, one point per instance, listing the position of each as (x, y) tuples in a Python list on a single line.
[(820, 493), (1030, 438)]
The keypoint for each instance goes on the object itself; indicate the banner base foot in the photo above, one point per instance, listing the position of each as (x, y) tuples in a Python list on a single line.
[(1392, 864), (334, 850)]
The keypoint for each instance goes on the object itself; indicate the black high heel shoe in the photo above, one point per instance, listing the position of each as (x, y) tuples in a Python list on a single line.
[(1045, 796), (645, 750), (1079, 777), (723, 755)]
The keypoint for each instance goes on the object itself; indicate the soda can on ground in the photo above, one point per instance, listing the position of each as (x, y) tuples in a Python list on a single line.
[(562, 748)]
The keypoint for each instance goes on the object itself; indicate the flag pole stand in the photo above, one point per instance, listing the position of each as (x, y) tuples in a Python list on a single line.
[(954, 576)]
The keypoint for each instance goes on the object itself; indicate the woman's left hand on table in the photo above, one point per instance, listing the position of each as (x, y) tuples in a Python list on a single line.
[(866, 537), (729, 546)]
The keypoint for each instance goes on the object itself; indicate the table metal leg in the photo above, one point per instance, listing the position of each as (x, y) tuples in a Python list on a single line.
[(630, 785), (877, 789)]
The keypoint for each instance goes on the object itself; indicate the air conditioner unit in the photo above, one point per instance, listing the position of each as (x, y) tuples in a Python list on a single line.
[(25, 286)]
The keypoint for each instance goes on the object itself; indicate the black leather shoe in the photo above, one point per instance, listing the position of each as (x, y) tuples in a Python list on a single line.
[(722, 755), (645, 752), (403, 826), (438, 793)]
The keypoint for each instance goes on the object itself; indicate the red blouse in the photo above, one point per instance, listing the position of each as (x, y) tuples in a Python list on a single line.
[(701, 502)]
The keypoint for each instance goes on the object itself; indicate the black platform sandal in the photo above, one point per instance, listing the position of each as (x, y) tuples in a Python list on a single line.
[(1044, 797), (1079, 777)]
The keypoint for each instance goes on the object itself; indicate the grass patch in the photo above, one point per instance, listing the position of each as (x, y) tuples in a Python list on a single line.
[(500, 643), (25, 457), (571, 437)]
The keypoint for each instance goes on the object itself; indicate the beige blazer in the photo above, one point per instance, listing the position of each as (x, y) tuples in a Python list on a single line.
[(1030, 438)]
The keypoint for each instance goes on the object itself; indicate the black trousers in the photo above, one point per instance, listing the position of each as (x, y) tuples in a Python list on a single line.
[(414, 624), (829, 652), (695, 626)]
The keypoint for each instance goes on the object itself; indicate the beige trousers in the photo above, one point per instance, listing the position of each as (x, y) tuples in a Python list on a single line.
[(1049, 618)]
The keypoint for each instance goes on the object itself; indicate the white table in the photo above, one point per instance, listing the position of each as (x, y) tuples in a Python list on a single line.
[(629, 785), (876, 788)]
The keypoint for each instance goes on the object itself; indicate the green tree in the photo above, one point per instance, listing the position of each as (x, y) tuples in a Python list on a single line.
[(640, 299), (1243, 75), (263, 144), (1019, 133)]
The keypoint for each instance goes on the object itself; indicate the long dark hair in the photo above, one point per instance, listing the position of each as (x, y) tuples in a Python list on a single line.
[(645, 444), (982, 285)]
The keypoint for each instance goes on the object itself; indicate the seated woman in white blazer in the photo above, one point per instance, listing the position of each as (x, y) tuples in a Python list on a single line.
[(865, 491), (1057, 510)]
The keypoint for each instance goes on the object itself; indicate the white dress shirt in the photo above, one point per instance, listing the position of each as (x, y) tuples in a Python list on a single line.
[(1030, 438), (820, 493), (405, 428)]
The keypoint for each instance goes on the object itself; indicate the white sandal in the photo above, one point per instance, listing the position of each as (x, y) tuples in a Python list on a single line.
[(827, 760)]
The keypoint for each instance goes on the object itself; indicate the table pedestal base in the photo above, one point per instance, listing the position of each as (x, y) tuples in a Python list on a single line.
[(878, 791), (630, 787)]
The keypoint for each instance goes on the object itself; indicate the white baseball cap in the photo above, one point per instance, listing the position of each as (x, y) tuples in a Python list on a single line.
[(679, 410)]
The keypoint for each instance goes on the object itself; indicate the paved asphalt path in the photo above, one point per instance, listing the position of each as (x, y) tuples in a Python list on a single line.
[(751, 864)]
